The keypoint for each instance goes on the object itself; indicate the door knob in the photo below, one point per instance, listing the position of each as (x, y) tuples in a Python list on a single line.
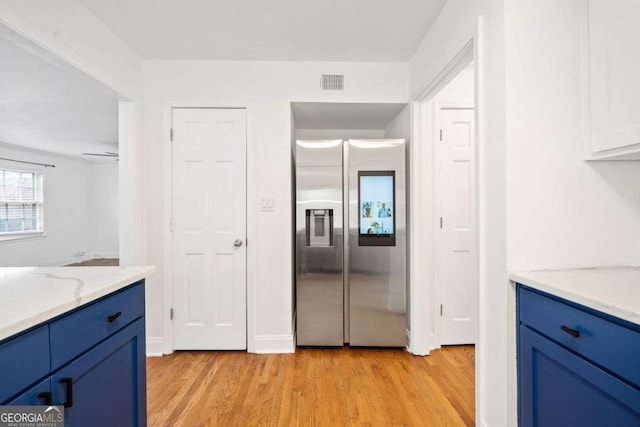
[(237, 243)]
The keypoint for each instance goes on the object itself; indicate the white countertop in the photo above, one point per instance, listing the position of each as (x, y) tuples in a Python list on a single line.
[(32, 295), (615, 291)]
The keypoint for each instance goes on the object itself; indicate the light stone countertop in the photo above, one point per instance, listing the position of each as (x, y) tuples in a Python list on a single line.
[(614, 291), (32, 295)]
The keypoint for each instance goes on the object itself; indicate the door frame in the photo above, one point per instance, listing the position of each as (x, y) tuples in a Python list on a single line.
[(168, 213), (424, 334), (422, 214), (438, 188), (130, 146)]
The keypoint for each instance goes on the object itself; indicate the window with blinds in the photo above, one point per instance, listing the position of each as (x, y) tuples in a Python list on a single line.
[(20, 202)]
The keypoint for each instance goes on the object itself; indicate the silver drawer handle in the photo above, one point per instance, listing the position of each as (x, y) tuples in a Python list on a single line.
[(237, 243)]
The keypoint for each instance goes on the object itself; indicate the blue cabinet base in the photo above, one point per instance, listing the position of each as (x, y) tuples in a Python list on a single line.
[(559, 385), (91, 360), (108, 384), (561, 389)]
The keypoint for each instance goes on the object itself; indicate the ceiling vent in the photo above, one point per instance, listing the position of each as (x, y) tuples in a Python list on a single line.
[(332, 82)]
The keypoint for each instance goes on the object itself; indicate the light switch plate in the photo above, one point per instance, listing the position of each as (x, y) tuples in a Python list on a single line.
[(266, 204)]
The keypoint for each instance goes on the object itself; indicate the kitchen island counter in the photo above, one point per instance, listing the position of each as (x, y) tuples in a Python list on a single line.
[(33, 295)]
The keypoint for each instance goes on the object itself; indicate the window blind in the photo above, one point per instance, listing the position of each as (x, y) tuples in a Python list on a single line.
[(20, 202)]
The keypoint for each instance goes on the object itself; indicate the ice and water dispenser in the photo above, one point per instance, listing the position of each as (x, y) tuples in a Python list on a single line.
[(319, 227)]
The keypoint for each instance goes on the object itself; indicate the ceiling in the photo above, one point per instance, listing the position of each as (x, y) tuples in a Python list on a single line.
[(47, 105), (334, 115), (295, 30)]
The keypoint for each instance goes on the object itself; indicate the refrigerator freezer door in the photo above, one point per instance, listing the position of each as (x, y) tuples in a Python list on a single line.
[(319, 243)]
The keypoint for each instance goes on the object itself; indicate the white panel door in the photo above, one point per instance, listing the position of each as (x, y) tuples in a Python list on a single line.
[(209, 223), (457, 269)]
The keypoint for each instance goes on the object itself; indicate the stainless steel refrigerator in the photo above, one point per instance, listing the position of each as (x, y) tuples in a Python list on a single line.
[(351, 286)]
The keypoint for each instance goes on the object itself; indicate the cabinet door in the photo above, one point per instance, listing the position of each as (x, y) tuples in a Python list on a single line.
[(23, 361), (614, 66), (39, 394), (106, 386), (559, 388)]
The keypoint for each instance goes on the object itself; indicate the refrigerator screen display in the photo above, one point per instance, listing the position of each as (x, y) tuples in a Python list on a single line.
[(376, 204)]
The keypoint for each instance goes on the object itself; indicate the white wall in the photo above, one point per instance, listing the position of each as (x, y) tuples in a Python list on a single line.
[(104, 210), (73, 192), (561, 211), (339, 134), (267, 89), (460, 90), (455, 26), (400, 126)]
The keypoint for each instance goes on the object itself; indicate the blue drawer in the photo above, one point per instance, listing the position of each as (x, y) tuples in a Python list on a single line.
[(75, 333), (23, 360), (612, 346)]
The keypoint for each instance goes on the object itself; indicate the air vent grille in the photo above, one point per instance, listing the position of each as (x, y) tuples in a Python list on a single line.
[(332, 82)]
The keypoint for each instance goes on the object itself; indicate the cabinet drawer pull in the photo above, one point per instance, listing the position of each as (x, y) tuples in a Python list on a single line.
[(573, 332), (69, 386), (46, 396), (113, 317)]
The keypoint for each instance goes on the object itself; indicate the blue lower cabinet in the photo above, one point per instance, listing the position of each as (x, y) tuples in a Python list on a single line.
[(24, 359), (91, 360), (40, 394), (558, 388), (576, 367), (107, 385)]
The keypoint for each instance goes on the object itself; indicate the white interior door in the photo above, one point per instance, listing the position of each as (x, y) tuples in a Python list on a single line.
[(457, 269), (209, 229)]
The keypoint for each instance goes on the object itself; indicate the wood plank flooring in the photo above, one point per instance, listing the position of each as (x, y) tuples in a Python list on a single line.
[(313, 387), (97, 262)]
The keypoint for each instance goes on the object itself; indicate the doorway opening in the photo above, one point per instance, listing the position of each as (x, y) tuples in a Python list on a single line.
[(456, 243), (438, 197), (60, 143)]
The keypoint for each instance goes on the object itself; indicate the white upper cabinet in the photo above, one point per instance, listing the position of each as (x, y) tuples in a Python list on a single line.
[(612, 84)]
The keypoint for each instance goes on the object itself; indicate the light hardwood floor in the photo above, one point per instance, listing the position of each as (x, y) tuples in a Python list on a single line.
[(97, 262), (313, 387)]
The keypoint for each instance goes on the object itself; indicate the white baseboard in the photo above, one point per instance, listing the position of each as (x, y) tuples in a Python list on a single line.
[(270, 344), (264, 344), (154, 347)]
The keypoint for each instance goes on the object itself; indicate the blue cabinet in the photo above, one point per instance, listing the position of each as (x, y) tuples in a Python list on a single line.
[(91, 360), (23, 360), (39, 394), (576, 367), (103, 387)]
